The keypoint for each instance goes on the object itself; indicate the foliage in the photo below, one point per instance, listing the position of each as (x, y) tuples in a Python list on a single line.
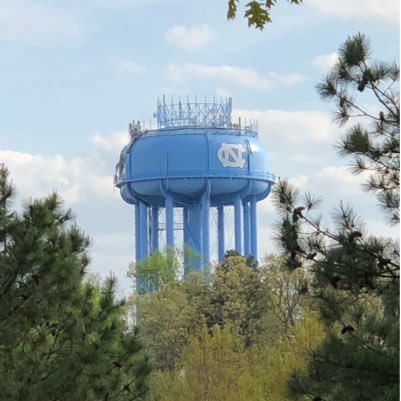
[(154, 272), (165, 318), (215, 365), (355, 276), (258, 13), (355, 279), (237, 298), (212, 368), (374, 145), (287, 292), (272, 365), (230, 325), (60, 338)]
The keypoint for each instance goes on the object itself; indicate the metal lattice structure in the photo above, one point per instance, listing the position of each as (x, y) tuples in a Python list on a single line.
[(199, 114)]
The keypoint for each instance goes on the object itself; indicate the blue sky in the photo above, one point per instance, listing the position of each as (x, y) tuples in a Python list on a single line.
[(74, 73)]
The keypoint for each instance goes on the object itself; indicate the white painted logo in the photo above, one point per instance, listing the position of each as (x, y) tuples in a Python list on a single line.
[(231, 155)]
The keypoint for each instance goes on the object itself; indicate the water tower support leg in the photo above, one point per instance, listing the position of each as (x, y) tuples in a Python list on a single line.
[(206, 233), (137, 234), (220, 231), (254, 238), (185, 239), (247, 238), (143, 219), (169, 223), (238, 225), (155, 230)]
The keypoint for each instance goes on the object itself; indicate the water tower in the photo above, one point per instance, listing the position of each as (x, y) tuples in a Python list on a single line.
[(196, 159)]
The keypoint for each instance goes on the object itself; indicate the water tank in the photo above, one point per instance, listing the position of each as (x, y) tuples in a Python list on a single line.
[(196, 159)]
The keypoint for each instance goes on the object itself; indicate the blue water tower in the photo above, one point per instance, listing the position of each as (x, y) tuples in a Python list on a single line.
[(196, 159)]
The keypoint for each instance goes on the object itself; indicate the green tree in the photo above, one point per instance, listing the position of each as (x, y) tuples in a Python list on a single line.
[(154, 272), (373, 143), (273, 363), (257, 13), (213, 367), (237, 298), (61, 338), (165, 319), (355, 276), (287, 292)]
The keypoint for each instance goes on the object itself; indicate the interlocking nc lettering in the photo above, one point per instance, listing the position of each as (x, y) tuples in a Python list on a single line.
[(231, 155)]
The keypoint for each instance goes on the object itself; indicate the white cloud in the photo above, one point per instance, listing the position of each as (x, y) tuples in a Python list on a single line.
[(304, 158), (85, 184), (189, 38), (299, 181), (341, 179), (247, 77), (387, 11), (130, 67), (325, 62), (26, 22), (292, 126), (76, 180), (175, 73), (111, 144)]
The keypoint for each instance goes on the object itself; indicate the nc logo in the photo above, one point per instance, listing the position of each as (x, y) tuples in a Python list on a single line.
[(231, 155)]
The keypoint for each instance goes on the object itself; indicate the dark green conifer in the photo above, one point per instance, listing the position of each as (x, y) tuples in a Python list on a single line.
[(356, 275), (61, 338)]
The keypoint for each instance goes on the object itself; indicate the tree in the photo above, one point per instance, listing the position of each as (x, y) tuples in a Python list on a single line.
[(152, 273), (215, 365), (165, 319), (287, 292), (212, 367), (258, 13), (374, 145), (61, 338), (355, 276), (273, 363), (237, 297)]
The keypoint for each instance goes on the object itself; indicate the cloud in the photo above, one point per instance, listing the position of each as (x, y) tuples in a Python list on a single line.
[(130, 67), (85, 184), (325, 62), (189, 38), (25, 22), (299, 181), (77, 180), (246, 77), (111, 144), (387, 11), (341, 179), (292, 126)]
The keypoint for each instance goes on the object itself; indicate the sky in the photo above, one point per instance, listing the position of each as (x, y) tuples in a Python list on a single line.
[(74, 73)]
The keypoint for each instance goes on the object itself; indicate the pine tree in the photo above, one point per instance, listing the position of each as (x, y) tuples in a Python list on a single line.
[(374, 141), (355, 276), (61, 338)]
